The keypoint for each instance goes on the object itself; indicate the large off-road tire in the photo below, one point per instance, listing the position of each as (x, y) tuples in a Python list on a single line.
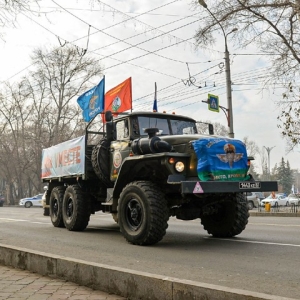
[(55, 207), (76, 208), (231, 218), (142, 213), (100, 161)]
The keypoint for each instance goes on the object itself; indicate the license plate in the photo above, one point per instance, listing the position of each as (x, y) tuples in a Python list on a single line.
[(250, 185)]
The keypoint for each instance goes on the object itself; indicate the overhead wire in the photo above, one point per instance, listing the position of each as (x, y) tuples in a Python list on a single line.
[(56, 35), (126, 20), (112, 10), (92, 33), (220, 85), (102, 58), (133, 45), (146, 54), (220, 82)]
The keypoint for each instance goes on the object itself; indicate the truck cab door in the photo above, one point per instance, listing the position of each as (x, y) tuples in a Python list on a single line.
[(120, 148)]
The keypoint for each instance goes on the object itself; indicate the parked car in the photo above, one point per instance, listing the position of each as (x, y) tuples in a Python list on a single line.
[(293, 199), (260, 195), (2, 200), (279, 200), (32, 201), (252, 200)]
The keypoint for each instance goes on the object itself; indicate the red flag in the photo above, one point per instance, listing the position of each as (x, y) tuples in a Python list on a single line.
[(119, 98)]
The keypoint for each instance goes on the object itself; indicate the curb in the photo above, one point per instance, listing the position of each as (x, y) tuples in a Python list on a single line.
[(134, 285)]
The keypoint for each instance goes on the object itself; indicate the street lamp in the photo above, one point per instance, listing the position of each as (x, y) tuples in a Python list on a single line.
[(227, 72), (268, 151)]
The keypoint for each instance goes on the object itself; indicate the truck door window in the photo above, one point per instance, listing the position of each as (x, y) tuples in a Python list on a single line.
[(122, 130)]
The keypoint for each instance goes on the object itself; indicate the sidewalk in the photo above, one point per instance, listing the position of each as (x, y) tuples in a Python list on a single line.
[(18, 284)]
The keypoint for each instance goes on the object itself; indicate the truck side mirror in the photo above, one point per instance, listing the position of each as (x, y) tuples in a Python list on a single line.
[(111, 131), (108, 116), (211, 129)]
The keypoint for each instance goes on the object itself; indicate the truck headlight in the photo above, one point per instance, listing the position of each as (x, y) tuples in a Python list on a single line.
[(179, 166)]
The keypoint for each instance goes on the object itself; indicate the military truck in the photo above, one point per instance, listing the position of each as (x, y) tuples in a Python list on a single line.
[(144, 168)]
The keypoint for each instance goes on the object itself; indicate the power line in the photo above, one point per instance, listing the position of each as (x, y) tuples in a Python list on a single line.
[(102, 31), (128, 17), (123, 40), (152, 70), (112, 10)]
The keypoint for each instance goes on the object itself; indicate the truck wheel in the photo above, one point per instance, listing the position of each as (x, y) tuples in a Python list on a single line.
[(100, 161), (56, 199), (231, 218), (76, 209), (143, 213)]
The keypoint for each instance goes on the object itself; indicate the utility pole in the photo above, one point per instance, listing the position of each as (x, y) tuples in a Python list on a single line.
[(227, 72), (228, 87)]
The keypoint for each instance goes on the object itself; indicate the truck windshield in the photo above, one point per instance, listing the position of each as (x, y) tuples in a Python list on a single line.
[(183, 127), (166, 127)]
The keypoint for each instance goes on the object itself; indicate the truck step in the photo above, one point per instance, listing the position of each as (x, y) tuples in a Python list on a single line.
[(106, 203)]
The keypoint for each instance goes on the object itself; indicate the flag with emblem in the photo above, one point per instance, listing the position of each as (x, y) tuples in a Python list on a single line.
[(92, 101), (119, 98)]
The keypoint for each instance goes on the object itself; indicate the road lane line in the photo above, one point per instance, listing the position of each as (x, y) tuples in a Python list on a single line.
[(252, 242), (270, 224), (16, 220), (19, 220)]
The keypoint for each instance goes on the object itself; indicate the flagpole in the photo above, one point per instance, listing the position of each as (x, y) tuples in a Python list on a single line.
[(155, 98)]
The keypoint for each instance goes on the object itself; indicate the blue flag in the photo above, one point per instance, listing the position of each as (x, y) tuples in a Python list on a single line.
[(155, 105), (92, 101), (155, 99)]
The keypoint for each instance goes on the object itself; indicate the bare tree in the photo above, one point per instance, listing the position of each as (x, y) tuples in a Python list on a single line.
[(252, 150), (61, 75), (14, 157), (273, 26), (9, 9), (40, 111), (219, 129)]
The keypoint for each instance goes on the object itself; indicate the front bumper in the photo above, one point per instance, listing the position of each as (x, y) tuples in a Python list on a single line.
[(209, 187)]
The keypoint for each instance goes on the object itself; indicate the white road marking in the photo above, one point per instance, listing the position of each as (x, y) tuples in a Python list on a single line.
[(19, 220), (13, 220), (253, 242), (270, 224)]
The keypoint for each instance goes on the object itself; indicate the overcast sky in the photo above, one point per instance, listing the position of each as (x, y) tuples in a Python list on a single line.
[(152, 41)]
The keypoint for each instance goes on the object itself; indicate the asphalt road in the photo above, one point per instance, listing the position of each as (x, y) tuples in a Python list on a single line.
[(264, 258)]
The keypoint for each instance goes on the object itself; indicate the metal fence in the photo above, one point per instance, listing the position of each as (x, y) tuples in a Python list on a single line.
[(291, 208)]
